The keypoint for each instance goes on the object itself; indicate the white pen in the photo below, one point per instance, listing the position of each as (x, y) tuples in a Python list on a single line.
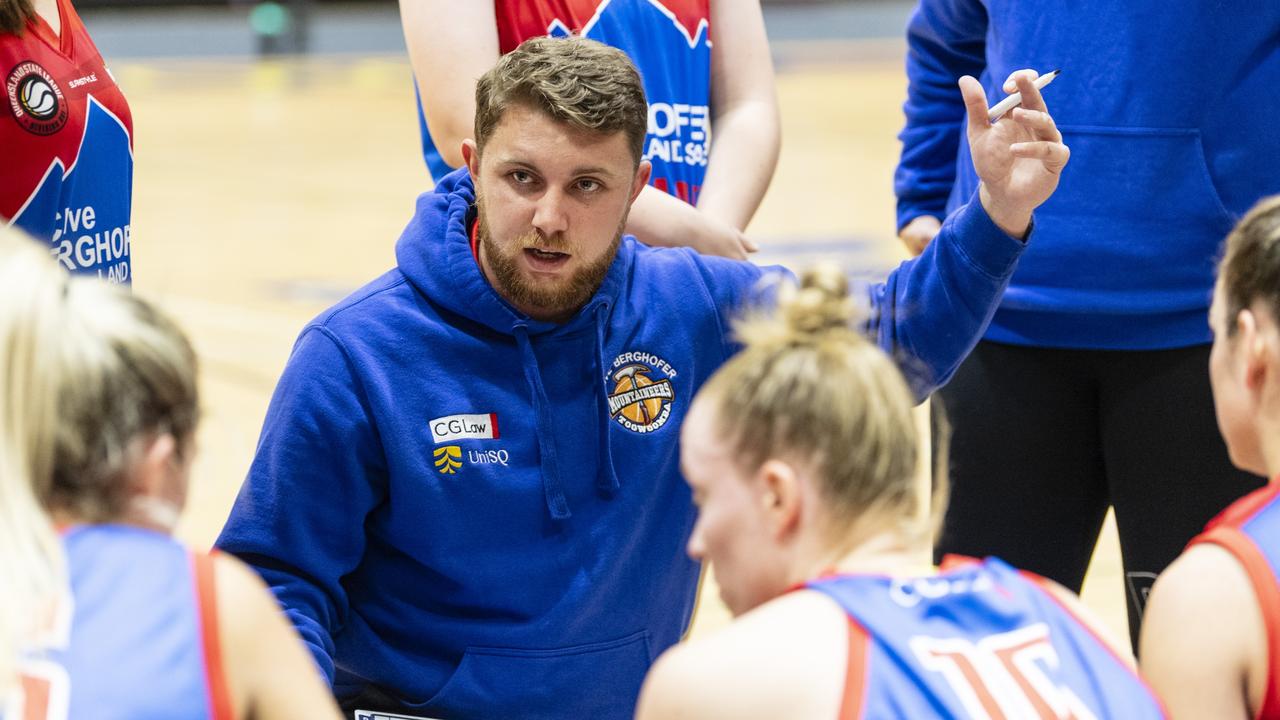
[(1012, 101)]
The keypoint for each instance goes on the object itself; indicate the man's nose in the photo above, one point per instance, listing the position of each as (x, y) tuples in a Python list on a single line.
[(550, 216)]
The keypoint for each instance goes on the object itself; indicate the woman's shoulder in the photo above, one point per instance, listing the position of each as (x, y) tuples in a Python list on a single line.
[(786, 658)]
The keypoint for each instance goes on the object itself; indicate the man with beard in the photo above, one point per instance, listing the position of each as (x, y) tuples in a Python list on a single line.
[(467, 495)]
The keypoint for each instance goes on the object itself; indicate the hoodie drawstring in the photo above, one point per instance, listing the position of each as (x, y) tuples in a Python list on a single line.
[(607, 477), (552, 486)]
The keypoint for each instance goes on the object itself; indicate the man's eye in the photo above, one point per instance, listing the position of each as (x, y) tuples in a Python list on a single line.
[(588, 185), (521, 177)]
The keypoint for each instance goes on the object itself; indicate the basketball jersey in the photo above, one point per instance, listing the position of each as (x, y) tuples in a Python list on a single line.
[(1250, 530), (668, 40), (139, 640), (979, 641), (67, 146)]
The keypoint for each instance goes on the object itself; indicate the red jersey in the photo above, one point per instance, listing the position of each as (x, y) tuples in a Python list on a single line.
[(67, 139)]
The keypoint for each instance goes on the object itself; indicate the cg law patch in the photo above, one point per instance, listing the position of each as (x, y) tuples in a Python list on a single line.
[(35, 99), (642, 391)]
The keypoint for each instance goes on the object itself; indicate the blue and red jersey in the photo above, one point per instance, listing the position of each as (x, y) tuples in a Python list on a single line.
[(1250, 530), (669, 42), (978, 640), (67, 139), (138, 639)]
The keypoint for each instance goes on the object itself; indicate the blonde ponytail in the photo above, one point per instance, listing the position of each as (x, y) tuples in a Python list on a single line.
[(808, 387)]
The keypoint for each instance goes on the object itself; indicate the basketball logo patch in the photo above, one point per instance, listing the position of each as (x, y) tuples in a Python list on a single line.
[(35, 99), (640, 398)]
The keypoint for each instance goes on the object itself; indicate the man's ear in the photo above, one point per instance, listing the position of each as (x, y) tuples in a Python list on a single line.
[(641, 179), (781, 496), (471, 156)]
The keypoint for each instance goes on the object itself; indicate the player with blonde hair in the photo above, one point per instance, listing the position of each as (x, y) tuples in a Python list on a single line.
[(801, 453), (102, 613)]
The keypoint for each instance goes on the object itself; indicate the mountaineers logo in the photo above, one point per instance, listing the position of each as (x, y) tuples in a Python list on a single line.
[(36, 100), (448, 459), (638, 402)]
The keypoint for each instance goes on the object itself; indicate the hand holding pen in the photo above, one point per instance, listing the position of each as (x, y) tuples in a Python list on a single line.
[(1019, 158), (1015, 99)]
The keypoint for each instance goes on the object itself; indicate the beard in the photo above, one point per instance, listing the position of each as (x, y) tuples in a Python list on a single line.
[(542, 299)]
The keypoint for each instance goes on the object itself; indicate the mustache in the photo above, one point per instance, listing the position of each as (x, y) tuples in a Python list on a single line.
[(535, 240)]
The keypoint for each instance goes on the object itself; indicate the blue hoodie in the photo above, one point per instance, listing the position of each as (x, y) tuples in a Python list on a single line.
[(1170, 109), (483, 514)]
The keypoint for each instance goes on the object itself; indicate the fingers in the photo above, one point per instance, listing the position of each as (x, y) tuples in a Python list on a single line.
[(1031, 97), (975, 103), (1010, 83), (1054, 155), (749, 245), (1040, 124)]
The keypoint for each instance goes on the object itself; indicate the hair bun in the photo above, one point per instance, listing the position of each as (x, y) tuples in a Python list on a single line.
[(820, 304)]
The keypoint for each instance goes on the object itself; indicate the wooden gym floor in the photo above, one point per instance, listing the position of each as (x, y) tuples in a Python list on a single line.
[(267, 190)]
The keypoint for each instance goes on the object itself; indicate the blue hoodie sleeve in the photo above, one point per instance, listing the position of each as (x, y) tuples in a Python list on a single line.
[(927, 315), (735, 288), (932, 310), (318, 472), (946, 39)]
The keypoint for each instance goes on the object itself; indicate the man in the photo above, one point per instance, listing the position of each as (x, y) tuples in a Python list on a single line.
[(466, 494), (702, 193)]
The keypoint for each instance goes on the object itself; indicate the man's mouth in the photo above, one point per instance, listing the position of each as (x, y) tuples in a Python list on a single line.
[(545, 259)]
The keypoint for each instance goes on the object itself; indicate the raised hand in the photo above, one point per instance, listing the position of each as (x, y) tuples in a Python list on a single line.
[(1019, 158)]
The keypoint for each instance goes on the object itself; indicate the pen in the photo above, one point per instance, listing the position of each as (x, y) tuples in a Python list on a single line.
[(1012, 101)]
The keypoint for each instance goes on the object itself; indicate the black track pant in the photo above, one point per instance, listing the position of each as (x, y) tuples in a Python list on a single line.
[(1044, 440)]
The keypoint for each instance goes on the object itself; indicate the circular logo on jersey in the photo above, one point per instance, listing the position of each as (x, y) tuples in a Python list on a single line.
[(36, 100), (641, 397)]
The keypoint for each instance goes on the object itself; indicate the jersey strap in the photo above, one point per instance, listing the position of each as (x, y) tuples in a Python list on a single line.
[(220, 707)]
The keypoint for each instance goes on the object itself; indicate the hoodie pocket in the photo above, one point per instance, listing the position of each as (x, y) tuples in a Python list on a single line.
[(1134, 226), (598, 680)]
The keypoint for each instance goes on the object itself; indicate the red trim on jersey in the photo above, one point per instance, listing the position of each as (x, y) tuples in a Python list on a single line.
[(951, 561), (857, 667), (1243, 510), (475, 253), (220, 707), (1045, 587), (1265, 588)]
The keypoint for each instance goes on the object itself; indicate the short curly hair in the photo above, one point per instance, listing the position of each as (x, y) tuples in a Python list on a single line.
[(577, 81)]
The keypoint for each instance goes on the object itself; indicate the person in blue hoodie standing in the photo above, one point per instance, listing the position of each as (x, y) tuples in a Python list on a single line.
[(467, 494), (1090, 388)]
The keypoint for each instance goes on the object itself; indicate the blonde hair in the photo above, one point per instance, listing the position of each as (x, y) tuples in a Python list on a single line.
[(584, 83), (88, 372), (1250, 267), (808, 387)]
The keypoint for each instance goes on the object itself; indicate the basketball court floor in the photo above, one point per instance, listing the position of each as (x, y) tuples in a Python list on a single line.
[(266, 190)]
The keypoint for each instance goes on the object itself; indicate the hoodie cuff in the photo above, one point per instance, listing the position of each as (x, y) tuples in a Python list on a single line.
[(983, 243)]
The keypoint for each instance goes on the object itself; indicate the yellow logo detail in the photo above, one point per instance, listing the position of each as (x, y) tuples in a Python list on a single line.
[(448, 459)]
